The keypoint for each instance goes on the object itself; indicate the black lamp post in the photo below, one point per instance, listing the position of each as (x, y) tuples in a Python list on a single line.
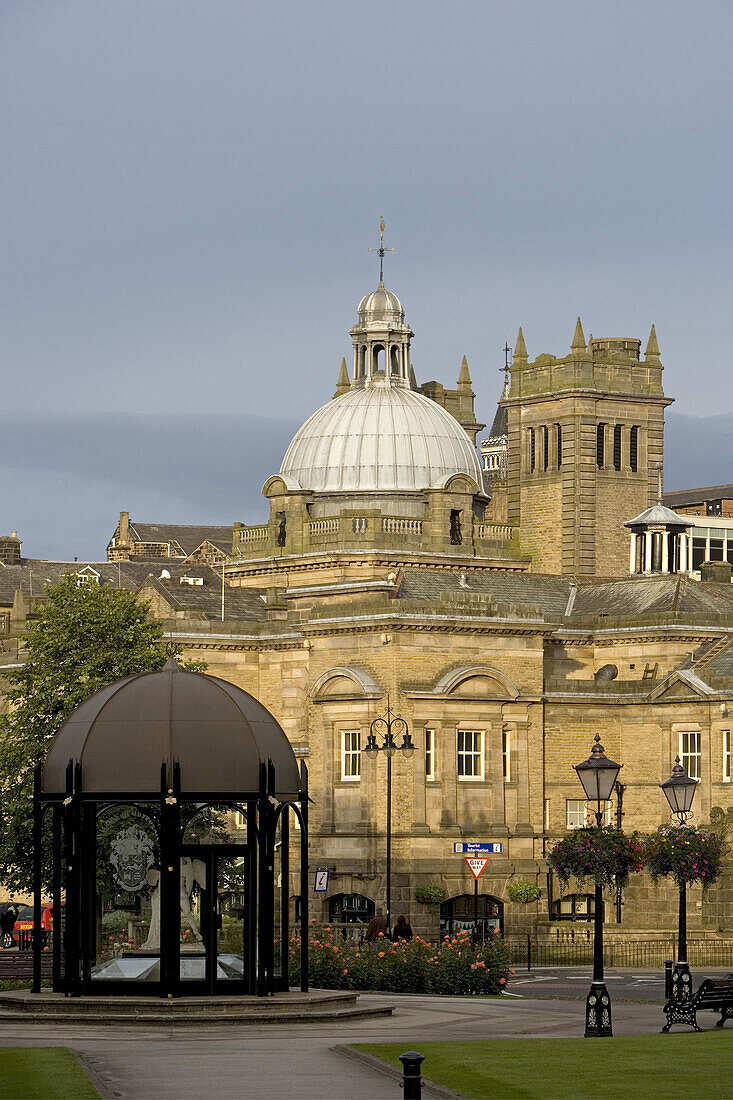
[(680, 791), (598, 775), (390, 726)]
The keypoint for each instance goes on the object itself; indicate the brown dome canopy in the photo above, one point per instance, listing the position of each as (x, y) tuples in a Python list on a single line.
[(216, 732)]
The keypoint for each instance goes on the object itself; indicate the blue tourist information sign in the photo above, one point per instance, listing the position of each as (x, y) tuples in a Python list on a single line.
[(469, 847)]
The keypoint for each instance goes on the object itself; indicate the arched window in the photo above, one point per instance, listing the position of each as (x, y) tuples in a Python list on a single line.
[(378, 358), (361, 362), (574, 907), (394, 360), (457, 914), (350, 909)]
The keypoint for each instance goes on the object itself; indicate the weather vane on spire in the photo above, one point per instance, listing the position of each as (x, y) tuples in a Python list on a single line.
[(381, 250)]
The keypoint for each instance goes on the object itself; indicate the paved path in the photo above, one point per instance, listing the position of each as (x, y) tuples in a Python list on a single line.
[(278, 1061)]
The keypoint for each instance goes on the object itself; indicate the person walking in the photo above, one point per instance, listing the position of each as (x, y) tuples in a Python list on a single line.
[(377, 925), (402, 930)]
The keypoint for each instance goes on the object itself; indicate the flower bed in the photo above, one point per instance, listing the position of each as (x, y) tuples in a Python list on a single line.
[(686, 853), (597, 852), (456, 966)]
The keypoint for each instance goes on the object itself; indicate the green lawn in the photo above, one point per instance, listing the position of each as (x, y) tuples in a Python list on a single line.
[(640, 1067), (46, 1073)]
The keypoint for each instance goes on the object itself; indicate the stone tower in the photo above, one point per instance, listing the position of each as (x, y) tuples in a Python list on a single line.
[(585, 443)]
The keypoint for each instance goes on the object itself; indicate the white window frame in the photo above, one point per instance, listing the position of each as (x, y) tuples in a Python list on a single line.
[(473, 756), (240, 821), (506, 754), (585, 814), (690, 757), (430, 754), (350, 756), (726, 755), (546, 816)]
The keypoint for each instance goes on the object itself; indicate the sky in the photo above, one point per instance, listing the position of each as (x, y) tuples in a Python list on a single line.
[(188, 194)]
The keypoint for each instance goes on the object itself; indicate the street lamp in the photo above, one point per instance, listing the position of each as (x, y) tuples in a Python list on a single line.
[(598, 775), (390, 726), (679, 791)]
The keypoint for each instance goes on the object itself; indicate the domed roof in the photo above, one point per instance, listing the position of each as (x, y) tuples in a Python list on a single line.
[(380, 437), (381, 305), (218, 734), (658, 515)]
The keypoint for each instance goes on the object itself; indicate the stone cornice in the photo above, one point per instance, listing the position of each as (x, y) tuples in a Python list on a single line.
[(391, 620)]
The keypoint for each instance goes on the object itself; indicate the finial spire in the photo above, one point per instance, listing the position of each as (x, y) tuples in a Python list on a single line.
[(381, 250), (578, 343), (652, 348), (464, 375), (520, 351), (343, 384)]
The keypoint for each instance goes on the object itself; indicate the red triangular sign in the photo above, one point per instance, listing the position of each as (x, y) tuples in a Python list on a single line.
[(476, 864)]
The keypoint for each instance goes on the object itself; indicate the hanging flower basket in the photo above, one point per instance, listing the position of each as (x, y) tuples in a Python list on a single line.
[(686, 853), (597, 852)]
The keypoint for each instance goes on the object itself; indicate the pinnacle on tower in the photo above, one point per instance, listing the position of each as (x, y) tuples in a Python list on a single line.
[(343, 384), (413, 379), (464, 377), (520, 351), (578, 343), (651, 355)]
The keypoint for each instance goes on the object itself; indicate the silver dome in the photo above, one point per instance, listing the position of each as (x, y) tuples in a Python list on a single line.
[(382, 438), (381, 305)]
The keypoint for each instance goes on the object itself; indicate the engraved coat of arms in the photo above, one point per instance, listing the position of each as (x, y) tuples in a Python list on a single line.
[(131, 855)]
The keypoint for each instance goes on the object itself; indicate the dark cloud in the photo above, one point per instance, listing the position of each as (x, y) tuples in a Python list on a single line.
[(66, 478)]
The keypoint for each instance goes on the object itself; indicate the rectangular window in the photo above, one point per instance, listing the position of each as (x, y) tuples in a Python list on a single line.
[(470, 754), (578, 814), (558, 430), (506, 755), (545, 447), (532, 456), (574, 813), (726, 756), (617, 446), (600, 446), (4, 624), (430, 754), (634, 448), (690, 755), (698, 552), (350, 755)]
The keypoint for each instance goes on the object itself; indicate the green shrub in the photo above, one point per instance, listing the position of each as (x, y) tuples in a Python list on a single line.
[(523, 892), (432, 894)]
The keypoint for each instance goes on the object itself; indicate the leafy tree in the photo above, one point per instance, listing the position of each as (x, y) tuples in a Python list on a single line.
[(85, 636)]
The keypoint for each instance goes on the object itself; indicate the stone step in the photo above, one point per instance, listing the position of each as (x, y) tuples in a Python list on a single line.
[(100, 1018)]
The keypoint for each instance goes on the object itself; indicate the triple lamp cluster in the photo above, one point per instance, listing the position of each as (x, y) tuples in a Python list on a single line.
[(598, 775)]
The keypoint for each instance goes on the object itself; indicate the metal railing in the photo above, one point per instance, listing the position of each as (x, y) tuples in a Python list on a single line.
[(577, 950)]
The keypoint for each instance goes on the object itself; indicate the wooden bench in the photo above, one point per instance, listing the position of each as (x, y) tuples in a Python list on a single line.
[(18, 965), (714, 994)]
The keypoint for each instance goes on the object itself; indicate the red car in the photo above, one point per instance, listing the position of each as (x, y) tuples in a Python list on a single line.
[(24, 925)]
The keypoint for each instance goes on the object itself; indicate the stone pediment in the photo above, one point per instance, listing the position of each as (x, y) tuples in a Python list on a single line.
[(682, 684)]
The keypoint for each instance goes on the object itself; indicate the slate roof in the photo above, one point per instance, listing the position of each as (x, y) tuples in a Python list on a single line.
[(547, 592), (698, 496), (239, 603), (188, 537), (499, 424), (33, 574), (650, 595)]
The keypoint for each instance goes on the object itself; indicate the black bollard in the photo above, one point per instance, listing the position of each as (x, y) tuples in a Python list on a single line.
[(668, 979), (411, 1076)]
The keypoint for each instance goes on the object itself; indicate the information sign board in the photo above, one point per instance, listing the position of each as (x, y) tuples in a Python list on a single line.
[(321, 883), (470, 846)]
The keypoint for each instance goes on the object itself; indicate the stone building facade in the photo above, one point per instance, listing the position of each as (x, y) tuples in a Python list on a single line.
[(499, 619)]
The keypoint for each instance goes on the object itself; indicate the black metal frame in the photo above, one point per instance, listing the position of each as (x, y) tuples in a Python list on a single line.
[(74, 817)]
